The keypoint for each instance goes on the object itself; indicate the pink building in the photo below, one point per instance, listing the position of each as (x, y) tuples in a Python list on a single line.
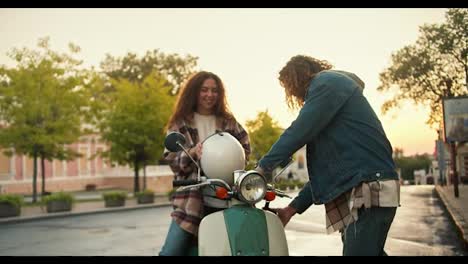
[(16, 172)]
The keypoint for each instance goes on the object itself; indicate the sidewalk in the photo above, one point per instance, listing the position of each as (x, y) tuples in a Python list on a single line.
[(82, 207), (456, 207)]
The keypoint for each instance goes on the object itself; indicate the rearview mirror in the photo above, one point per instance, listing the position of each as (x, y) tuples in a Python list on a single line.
[(173, 141)]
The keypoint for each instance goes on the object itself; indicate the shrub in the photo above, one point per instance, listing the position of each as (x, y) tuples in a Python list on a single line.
[(291, 185), (58, 196), (13, 199), (58, 202), (145, 192), (10, 205), (171, 193), (114, 198), (281, 185), (146, 196), (114, 195)]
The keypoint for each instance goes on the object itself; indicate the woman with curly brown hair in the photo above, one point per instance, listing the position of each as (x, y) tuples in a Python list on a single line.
[(200, 111), (349, 158)]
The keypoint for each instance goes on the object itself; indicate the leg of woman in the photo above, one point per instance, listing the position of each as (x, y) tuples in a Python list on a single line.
[(178, 241)]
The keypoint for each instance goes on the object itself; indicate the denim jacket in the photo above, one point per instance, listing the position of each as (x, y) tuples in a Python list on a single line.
[(346, 143)]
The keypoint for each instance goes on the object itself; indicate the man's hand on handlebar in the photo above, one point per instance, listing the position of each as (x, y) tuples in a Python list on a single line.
[(285, 213)]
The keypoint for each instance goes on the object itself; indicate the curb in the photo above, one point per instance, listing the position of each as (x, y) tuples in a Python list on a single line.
[(16, 219), (456, 217)]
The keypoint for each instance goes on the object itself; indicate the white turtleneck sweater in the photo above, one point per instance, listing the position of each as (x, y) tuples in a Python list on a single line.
[(205, 124)]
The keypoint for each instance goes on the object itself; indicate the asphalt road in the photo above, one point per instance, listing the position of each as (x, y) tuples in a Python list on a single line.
[(420, 228)]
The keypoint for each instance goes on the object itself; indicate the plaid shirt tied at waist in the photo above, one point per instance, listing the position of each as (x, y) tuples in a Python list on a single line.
[(343, 210)]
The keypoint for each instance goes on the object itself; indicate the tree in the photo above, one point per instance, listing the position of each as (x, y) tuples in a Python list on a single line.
[(409, 164), (397, 152), (40, 105), (436, 66), (263, 133), (133, 125), (173, 67)]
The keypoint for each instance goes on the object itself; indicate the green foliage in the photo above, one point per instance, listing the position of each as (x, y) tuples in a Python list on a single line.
[(300, 185), (59, 196), (41, 103), (434, 67), (133, 124), (13, 199), (171, 192), (174, 68), (144, 193), (409, 164), (263, 133), (292, 185), (114, 195), (282, 186), (397, 152), (96, 88)]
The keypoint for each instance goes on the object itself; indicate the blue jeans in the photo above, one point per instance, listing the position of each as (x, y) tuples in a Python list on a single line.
[(178, 241), (367, 236)]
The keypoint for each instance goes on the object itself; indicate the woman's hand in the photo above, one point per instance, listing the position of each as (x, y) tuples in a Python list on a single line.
[(196, 151)]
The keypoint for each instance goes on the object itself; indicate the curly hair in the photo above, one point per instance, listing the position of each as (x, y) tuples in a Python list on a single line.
[(187, 99), (296, 75)]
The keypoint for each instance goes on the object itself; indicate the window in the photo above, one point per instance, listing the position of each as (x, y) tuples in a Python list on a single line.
[(5, 166), (58, 164), (98, 159), (29, 167), (84, 161)]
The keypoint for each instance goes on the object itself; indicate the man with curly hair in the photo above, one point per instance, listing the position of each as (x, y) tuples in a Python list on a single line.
[(349, 158)]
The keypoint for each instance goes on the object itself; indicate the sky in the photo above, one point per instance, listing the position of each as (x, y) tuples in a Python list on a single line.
[(246, 48)]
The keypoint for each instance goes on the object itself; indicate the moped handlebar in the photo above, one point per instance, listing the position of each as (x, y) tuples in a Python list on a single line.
[(282, 194), (177, 183), (187, 184), (276, 191)]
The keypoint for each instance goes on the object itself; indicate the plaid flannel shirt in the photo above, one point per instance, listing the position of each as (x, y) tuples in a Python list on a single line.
[(188, 205), (343, 210)]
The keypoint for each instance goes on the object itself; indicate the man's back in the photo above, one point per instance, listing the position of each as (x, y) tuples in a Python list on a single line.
[(352, 147)]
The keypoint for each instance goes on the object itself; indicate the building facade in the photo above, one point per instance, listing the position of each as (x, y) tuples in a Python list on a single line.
[(16, 172)]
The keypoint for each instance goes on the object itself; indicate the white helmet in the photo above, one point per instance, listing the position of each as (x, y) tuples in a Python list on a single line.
[(222, 154)]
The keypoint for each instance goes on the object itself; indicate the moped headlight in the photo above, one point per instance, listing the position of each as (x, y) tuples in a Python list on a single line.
[(251, 187)]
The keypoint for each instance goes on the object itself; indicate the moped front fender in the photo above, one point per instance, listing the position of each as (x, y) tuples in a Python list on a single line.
[(241, 231)]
